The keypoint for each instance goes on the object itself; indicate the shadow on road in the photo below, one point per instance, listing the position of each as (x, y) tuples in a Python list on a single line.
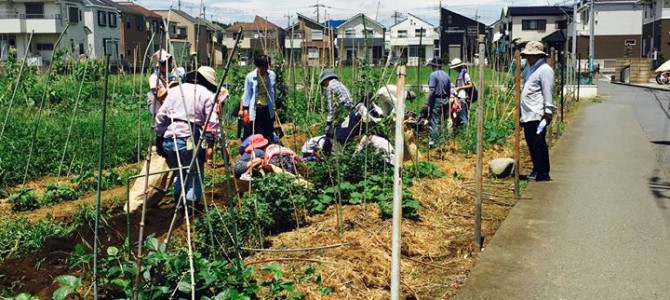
[(660, 190)]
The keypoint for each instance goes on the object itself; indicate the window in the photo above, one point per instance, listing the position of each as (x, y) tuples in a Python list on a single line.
[(102, 18), (73, 14), (34, 10), (630, 42), (181, 31), (561, 24), (420, 32), (113, 19), (235, 36), (317, 35), (173, 29), (139, 22), (155, 25), (402, 34), (313, 53), (533, 24), (349, 33), (368, 33), (127, 24), (45, 47), (82, 51)]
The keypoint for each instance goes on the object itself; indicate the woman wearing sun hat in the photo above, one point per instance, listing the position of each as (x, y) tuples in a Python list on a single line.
[(252, 156), (179, 124)]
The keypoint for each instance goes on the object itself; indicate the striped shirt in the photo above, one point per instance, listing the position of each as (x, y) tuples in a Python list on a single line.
[(336, 93)]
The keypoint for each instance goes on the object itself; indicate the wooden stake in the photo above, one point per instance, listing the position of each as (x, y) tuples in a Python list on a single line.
[(480, 145), (517, 126), (397, 184)]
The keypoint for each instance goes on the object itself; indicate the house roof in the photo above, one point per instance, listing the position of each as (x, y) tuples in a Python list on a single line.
[(99, 3), (538, 10), (181, 13), (139, 9), (259, 24), (210, 24), (361, 15), (422, 20), (333, 23), (557, 36), (310, 20), (453, 12)]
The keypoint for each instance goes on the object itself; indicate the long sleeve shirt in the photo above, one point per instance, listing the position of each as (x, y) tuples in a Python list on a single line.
[(173, 117), (536, 97), (251, 91), (337, 93)]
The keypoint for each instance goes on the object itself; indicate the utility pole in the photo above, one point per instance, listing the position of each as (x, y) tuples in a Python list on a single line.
[(318, 7), (574, 28), (592, 23), (395, 16), (179, 4)]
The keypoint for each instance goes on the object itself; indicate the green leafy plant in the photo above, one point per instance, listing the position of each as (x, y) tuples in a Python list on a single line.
[(24, 200), (56, 193), (424, 169)]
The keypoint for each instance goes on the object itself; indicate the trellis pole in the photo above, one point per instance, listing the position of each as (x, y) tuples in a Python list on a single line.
[(480, 146), (397, 184), (517, 126)]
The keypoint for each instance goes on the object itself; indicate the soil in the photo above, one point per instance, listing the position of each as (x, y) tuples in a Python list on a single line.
[(438, 250)]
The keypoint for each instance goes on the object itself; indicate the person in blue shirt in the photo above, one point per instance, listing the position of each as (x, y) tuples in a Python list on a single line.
[(437, 104), (260, 90)]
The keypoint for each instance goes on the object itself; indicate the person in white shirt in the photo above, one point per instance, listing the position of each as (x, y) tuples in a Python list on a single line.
[(537, 107)]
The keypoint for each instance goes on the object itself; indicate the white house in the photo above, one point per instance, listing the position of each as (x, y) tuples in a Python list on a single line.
[(413, 40), (357, 33), (48, 19), (533, 23), (102, 20), (617, 31)]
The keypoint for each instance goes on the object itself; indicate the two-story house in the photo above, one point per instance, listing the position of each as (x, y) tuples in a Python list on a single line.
[(188, 37), (459, 35), (535, 23), (132, 30), (215, 47), (48, 19), (655, 29), (358, 33), (258, 37), (153, 25), (617, 31), (309, 42), (413, 40)]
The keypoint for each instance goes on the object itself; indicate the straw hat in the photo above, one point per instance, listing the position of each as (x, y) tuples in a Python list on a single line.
[(455, 63), (256, 141), (208, 73), (161, 56), (327, 74), (435, 62), (534, 48)]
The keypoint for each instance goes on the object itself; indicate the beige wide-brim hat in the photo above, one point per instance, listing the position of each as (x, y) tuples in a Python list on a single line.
[(455, 63), (161, 56), (534, 48), (209, 74)]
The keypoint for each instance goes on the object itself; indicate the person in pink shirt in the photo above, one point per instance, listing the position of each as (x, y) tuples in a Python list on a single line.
[(180, 122)]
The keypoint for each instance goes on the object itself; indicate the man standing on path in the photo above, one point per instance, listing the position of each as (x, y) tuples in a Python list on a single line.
[(260, 90), (537, 107), (437, 105)]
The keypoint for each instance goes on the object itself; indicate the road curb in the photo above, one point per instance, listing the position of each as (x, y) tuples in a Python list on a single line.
[(642, 86)]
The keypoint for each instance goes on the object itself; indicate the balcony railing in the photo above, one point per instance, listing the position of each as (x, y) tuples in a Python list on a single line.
[(28, 16)]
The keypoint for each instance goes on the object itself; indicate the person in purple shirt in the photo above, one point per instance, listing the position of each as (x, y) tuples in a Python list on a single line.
[(179, 124), (437, 105)]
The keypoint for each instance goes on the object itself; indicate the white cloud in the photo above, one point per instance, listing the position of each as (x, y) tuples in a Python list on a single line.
[(278, 11)]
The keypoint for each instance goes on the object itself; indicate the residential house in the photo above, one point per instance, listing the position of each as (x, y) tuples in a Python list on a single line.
[(215, 46), (617, 31), (48, 19), (188, 37), (153, 25), (655, 29), (414, 40), (459, 35), (538, 23), (309, 42), (132, 31), (258, 36), (356, 35), (102, 20)]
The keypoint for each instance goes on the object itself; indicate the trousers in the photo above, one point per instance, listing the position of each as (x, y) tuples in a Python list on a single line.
[(193, 182), (537, 146)]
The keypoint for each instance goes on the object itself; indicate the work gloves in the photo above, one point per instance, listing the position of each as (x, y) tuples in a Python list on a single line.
[(329, 130), (548, 117), (159, 146)]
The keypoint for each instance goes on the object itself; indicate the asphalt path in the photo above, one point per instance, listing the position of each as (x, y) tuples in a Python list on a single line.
[(601, 228)]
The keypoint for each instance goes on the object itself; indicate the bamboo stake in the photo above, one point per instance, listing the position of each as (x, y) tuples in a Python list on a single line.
[(480, 147), (397, 185), (517, 126)]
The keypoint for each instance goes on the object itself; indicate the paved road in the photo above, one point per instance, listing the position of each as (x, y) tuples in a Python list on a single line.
[(601, 229)]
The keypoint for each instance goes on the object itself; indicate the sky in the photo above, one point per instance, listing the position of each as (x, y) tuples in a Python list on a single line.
[(278, 11)]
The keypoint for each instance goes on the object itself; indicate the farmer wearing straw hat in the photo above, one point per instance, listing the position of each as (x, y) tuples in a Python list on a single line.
[(463, 88), (437, 104), (179, 124), (537, 107), (260, 90), (337, 93), (159, 80)]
